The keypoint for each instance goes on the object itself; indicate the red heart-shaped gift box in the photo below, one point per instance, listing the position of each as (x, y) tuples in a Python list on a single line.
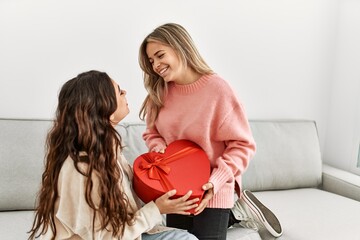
[(184, 166)]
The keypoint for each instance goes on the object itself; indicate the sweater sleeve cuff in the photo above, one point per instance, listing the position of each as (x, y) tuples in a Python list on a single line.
[(152, 212), (219, 177)]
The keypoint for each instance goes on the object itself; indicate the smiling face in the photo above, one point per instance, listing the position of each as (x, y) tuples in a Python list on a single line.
[(165, 62), (122, 106)]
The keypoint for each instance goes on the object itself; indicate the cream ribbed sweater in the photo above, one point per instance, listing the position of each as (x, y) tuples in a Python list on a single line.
[(73, 216)]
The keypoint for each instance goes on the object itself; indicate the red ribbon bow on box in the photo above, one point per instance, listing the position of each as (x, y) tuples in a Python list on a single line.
[(157, 167)]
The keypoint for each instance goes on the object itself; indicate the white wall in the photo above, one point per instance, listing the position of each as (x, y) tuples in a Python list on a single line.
[(279, 55), (343, 132)]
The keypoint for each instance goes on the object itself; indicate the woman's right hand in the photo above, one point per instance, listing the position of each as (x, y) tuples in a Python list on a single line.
[(178, 205)]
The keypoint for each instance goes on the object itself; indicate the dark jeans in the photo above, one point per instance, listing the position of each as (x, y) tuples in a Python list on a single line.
[(211, 224)]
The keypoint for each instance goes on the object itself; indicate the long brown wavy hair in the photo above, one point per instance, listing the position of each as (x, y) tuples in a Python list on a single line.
[(175, 36), (82, 123)]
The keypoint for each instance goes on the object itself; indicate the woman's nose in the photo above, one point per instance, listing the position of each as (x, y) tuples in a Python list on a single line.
[(156, 64)]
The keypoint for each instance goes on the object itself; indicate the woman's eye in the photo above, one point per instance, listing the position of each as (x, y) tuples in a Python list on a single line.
[(161, 55)]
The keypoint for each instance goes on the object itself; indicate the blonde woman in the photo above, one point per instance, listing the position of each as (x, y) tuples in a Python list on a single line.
[(187, 100)]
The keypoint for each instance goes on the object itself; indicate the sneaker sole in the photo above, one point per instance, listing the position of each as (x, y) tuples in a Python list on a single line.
[(268, 218)]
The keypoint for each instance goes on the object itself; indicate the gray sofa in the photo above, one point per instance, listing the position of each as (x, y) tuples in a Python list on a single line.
[(312, 200)]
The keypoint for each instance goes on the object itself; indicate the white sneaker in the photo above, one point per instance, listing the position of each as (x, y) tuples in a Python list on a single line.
[(253, 214)]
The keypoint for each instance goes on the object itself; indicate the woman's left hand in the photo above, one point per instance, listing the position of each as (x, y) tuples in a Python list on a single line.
[(209, 188)]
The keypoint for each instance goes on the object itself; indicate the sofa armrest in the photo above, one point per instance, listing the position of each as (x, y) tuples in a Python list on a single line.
[(341, 182)]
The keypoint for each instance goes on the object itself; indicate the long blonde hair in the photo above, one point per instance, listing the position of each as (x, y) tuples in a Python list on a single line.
[(176, 37)]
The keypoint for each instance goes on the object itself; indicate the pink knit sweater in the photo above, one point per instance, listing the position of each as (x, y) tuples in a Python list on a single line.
[(208, 113)]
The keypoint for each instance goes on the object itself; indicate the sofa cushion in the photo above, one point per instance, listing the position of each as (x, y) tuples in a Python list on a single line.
[(131, 134), (14, 225), (287, 156), (240, 233), (22, 145), (310, 213)]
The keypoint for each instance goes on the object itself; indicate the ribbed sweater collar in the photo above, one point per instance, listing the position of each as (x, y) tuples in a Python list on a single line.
[(193, 87)]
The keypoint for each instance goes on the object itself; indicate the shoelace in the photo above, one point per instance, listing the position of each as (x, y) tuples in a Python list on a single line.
[(247, 218)]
